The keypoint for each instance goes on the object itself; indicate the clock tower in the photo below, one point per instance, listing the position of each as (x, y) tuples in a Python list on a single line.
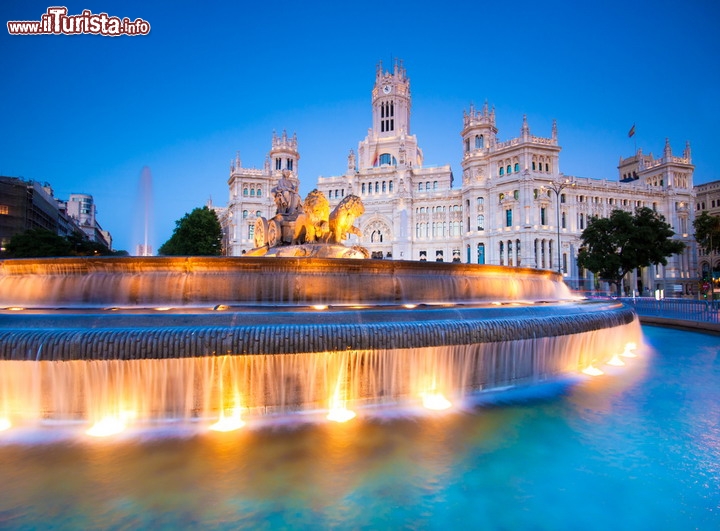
[(389, 142), (391, 101)]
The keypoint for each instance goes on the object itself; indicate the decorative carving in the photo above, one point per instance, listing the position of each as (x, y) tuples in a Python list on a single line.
[(342, 219), (312, 225), (287, 199)]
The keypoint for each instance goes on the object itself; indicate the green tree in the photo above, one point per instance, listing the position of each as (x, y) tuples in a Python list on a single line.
[(81, 246), (37, 243), (614, 246), (707, 232), (196, 234)]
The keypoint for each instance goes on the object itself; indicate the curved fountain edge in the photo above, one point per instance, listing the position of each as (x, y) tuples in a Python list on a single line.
[(124, 343)]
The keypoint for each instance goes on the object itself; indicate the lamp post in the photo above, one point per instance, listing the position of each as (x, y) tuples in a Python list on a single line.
[(558, 187)]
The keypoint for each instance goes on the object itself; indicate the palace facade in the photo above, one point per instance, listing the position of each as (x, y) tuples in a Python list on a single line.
[(512, 207)]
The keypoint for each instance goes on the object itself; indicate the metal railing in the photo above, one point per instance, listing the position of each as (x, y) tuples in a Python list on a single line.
[(681, 309)]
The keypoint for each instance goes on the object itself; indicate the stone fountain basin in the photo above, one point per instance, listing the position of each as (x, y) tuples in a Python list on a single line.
[(156, 333)]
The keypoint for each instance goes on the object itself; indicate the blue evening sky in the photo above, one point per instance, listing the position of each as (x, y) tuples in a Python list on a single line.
[(87, 113)]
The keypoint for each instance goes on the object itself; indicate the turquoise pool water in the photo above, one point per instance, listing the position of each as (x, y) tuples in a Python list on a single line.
[(637, 448)]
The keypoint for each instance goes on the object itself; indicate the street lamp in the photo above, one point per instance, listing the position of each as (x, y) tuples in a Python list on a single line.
[(558, 187)]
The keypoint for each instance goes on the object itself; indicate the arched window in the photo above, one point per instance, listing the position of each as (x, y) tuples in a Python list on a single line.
[(258, 214), (363, 188), (387, 159), (479, 142), (502, 171), (252, 192), (245, 192), (245, 214), (259, 192), (419, 187), (509, 169), (434, 185), (481, 222), (384, 186), (427, 185), (377, 187), (480, 253), (564, 223), (517, 167), (390, 187), (533, 165), (467, 144)]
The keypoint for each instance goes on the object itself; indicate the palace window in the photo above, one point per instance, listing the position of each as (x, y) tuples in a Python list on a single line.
[(480, 253), (481, 222), (543, 221), (479, 142), (508, 217), (517, 167)]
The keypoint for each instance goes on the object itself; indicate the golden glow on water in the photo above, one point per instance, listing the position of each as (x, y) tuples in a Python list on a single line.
[(592, 371), (616, 361), (320, 306), (163, 309), (16, 308), (338, 411), (230, 423), (5, 424), (409, 306)]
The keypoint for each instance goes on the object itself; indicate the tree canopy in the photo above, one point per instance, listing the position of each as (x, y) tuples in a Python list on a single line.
[(707, 232), (614, 246), (196, 234), (39, 243)]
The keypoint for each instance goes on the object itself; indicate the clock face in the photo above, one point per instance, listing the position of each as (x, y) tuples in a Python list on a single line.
[(387, 89)]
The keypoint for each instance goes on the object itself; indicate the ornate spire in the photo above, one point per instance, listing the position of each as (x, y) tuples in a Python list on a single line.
[(554, 130), (687, 153), (525, 130), (668, 151)]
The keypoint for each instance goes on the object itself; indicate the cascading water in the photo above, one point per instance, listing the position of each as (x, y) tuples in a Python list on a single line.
[(149, 339)]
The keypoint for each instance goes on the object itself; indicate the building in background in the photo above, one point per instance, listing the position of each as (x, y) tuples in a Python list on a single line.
[(26, 205), (81, 208), (708, 200), (513, 205)]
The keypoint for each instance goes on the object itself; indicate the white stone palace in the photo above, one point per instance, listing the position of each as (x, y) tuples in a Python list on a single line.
[(511, 208)]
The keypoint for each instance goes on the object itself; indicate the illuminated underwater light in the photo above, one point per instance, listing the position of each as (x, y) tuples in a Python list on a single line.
[(341, 414), (230, 423), (629, 350), (592, 371), (435, 401), (106, 426), (616, 361)]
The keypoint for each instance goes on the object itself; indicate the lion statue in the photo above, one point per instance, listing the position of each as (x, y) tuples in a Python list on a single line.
[(342, 218), (312, 224)]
